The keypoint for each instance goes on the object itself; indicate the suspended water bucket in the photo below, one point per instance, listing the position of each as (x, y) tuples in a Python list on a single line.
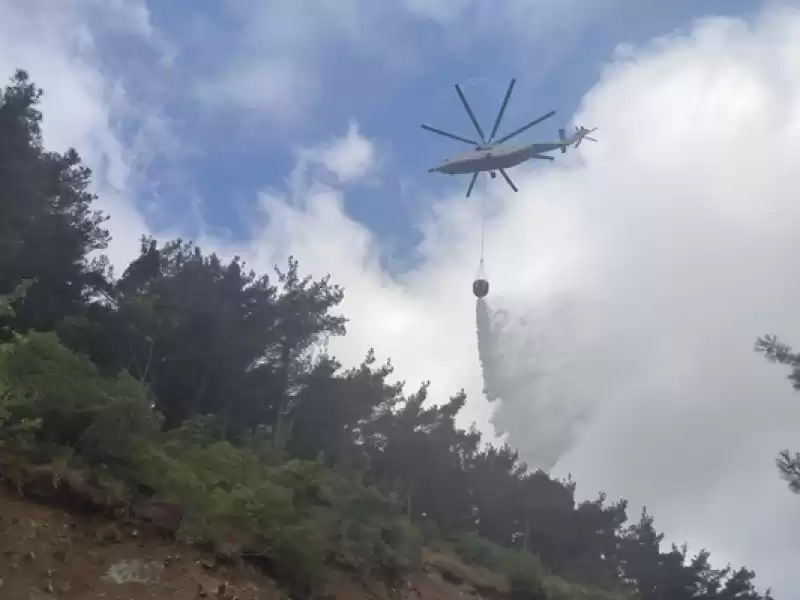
[(480, 287)]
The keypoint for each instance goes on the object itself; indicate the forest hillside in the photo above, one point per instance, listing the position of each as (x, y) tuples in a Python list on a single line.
[(188, 395)]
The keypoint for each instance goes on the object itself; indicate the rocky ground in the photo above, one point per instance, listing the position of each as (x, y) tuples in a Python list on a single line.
[(48, 553)]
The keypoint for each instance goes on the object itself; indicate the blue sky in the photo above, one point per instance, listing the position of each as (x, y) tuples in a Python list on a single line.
[(231, 150), (631, 272)]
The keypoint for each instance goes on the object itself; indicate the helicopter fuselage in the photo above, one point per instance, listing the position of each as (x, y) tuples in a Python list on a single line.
[(493, 155), (492, 159)]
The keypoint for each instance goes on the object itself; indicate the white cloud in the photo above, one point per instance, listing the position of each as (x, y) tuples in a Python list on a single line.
[(271, 86), (442, 11), (275, 62), (670, 245), (131, 16), (350, 158), (268, 64), (84, 105), (53, 45)]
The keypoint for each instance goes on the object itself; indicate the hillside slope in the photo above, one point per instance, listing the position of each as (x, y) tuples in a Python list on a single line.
[(49, 552)]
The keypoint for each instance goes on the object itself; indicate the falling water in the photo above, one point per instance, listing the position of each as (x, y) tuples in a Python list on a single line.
[(527, 376)]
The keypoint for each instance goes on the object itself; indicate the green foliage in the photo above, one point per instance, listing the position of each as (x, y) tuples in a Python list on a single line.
[(523, 570), (16, 430), (7, 300), (194, 381), (75, 405), (299, 514), (47, 227), (558, 589), (777, 352)]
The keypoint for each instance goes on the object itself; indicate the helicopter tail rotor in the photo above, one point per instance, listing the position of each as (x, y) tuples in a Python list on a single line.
[(583, 134)]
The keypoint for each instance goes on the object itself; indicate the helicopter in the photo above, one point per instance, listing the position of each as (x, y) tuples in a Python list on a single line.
[(491, 155)]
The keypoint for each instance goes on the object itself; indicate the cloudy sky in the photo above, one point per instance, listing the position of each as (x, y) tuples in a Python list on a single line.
[(632, 275)]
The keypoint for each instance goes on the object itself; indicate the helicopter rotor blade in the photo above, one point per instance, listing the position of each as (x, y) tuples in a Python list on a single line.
[(502, 109), (450, 135), (542, 157), (472, 183), (525, 127), (508, 180), (469, 112), (591, 139)]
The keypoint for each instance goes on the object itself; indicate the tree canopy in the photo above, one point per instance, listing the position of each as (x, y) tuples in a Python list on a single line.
[(194, 380), (777, 352)]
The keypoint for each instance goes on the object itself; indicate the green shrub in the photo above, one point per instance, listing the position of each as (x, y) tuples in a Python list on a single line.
[(57, 409), (523, 570), (558, 589)]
